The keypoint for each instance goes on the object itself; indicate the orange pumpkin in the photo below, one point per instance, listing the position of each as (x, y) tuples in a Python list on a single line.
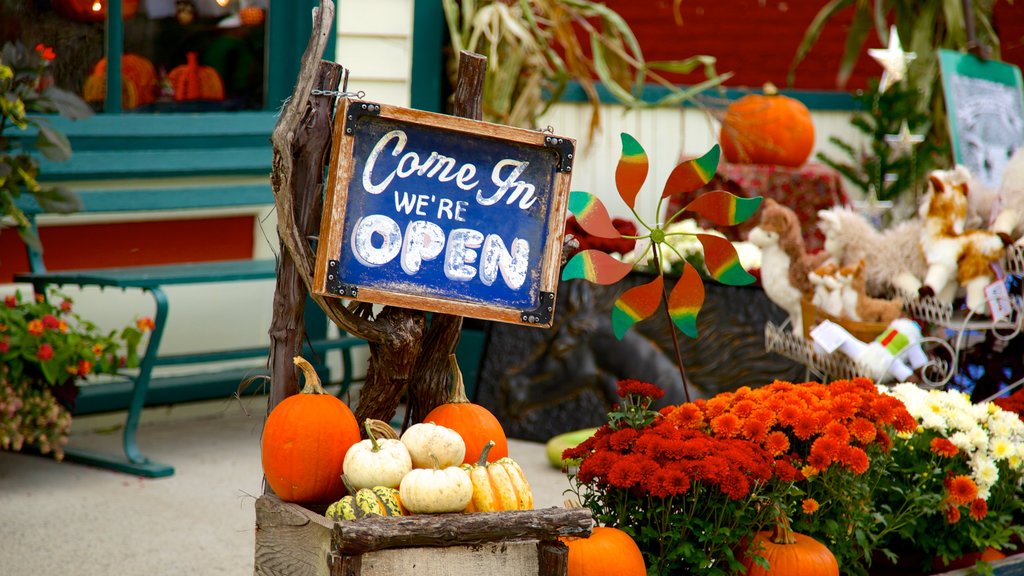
[(767, 129), (93, 10), (607, 552), (788, 552), (191, 81), (139, 82), (305, 440), (473, 422)]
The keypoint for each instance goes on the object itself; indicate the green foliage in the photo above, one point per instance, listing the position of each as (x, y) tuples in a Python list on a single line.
[(879, 166), (26, 88), (535, 47)]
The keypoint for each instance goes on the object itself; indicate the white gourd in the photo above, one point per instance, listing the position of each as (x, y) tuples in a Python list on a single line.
[(426, 439)]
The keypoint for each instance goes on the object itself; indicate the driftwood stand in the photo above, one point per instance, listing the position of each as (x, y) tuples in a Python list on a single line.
[(407, 356)]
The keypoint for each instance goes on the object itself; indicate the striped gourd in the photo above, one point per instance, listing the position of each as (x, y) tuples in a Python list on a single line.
[(499, 485), (379, 500)]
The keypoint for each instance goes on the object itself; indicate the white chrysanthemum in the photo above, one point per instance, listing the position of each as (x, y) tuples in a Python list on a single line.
[(985, 472), (961, 441), (1001, 449), (978, 438)]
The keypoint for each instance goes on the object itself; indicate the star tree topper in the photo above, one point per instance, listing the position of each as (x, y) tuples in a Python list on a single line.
[(687, 297), (893, 59)]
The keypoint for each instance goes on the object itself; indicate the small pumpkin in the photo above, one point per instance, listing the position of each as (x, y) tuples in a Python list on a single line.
[(436, 490), (499, 485), (428, 441), (789, 552), (139, 82), (305, 440), (607, 552), (363, 502), (473, 422), (191, 81), (374, 462), (767, 128)]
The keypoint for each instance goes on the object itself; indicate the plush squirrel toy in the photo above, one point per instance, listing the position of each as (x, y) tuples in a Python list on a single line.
[(895, 353)]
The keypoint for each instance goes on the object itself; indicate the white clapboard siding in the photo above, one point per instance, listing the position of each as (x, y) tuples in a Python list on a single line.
[(375, 44), (667, 134)]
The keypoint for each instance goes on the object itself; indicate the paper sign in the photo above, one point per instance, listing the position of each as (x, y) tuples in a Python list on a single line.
[(829, 335), (998, 300)]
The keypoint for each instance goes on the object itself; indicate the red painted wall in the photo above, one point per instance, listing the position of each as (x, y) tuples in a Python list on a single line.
[(132, 244), (757, 39)]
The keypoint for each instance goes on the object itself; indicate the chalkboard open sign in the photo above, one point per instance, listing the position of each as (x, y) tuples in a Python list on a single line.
[(443, 214)]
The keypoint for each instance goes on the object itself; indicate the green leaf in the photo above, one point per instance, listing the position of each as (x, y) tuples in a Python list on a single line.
[(67, 104), (52, 144), (813, 32), (58, 200), (856, 36)]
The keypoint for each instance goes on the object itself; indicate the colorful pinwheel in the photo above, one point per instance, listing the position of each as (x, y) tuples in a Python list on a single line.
[(687, 297)]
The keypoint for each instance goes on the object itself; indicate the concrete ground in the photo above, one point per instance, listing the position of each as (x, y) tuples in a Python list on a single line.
[(70, 519)]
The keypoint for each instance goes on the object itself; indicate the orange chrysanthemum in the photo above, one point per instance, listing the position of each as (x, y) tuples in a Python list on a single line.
[(961, 490), (952, 514), (810, 506), (943, 447), (726, 425), (776, 443)]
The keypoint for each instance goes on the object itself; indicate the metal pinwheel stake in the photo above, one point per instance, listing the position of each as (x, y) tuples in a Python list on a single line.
[(687, 296)]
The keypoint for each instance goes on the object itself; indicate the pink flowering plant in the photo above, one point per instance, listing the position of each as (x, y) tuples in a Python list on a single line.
[(46, 349)]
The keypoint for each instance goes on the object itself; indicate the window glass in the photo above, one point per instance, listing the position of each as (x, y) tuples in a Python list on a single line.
[(178, 55)]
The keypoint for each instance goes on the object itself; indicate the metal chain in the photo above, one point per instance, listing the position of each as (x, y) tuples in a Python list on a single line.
[(337, 93)]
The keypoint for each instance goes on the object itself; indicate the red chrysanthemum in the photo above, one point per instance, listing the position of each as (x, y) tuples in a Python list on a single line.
[(961, 490), (629, 387), (50, 321), (943, 447), (10, 301), (979, 509), (952, 514), (45, 352)]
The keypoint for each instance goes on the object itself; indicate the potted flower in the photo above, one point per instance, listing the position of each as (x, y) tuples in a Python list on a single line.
[(689, 499), (46, 351), (953, 487)]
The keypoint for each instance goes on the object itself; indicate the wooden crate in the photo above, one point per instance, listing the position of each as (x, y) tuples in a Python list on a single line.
[(293, 541), (863, 331)]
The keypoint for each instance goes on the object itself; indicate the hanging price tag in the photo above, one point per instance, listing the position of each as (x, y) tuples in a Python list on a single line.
[(998, 300)]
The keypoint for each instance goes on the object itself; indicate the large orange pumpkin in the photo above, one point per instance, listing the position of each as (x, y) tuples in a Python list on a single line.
[(139, 83), (608, 552), (767, 128), (473, 422), (789, 552), (93, 10), (305, 440)]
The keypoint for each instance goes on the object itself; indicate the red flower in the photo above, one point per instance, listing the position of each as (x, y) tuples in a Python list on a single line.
[(5, 344), (943, 447), (50, 322), (810, 506), (952, 514), (10, 301), (145, 323), (45, 352), (961, 490), (629, 470), (806, 425), (46, 52), (979, 509), (863, 430), (65, 306), (855, 459), (628, 386), (84, 367), (786, 472), (686, 416), (837, 432)]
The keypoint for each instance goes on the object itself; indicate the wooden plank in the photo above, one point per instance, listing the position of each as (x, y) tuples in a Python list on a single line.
[(148, 163), (290, 540), (517, 558), (438, 530)]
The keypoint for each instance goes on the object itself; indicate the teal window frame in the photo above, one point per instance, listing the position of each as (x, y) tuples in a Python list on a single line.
[(289, 26)]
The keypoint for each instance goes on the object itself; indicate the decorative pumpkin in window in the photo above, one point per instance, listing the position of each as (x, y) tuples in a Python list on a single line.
[(191, 81), (767, 128), (93, 10), (252, 15), (139, 83)]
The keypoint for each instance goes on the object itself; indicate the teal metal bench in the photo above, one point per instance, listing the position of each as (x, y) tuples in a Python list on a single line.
[(144, 146)]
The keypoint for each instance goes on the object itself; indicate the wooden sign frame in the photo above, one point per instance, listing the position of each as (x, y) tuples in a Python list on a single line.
[(451, 215)]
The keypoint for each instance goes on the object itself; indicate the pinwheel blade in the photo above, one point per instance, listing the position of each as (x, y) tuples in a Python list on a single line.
[(692, 174), (724, 208), (595, 266), (631, 171), (686, 299), (636, 304), (723, 262), (591, 215)]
